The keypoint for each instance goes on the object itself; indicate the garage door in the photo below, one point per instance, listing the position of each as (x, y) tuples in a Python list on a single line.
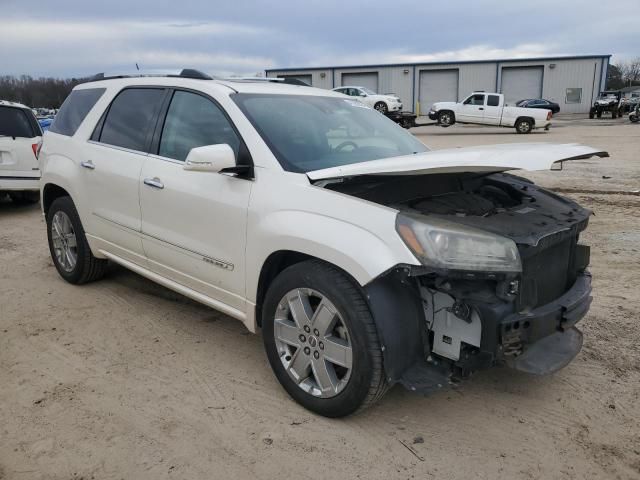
[(368, 80), (437, 86), (303, 78), (519, 83)]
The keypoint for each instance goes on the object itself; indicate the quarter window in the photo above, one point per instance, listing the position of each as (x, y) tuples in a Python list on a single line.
[(14, 123), (194, 121), (574, 95), (74, 110), (131, 117), (493, 100)]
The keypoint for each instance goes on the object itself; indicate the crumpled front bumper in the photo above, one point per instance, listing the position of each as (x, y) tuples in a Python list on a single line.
[(545, 339)]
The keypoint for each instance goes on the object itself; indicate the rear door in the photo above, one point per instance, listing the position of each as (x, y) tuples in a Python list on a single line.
[(194, 223), (111, 169), (472, 109), (492, 110), (19, 132)]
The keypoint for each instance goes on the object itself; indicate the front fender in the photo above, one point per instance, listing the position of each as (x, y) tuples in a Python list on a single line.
[(358, 251)]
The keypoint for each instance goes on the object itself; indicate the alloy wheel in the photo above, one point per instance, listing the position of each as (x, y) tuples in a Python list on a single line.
[(313, 342), (65, 244)]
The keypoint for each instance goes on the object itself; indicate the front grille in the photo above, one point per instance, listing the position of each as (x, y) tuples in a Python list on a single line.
[(547, 273)]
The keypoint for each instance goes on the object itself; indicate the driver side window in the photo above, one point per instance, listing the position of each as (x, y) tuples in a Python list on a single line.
[(476, 99), (194, 121)]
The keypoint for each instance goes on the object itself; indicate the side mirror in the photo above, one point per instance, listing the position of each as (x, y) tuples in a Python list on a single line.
[(362, 94), (210, 158)]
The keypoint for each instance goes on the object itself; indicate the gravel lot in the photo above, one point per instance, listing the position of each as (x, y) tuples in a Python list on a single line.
[(125, 379)]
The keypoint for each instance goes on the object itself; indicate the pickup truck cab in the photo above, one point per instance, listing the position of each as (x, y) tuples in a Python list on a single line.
[(489, 109)]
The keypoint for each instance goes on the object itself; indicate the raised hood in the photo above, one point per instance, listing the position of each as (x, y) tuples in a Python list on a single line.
[(487, 158)]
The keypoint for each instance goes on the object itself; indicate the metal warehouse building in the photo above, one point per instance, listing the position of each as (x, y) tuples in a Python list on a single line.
[(573, 82)]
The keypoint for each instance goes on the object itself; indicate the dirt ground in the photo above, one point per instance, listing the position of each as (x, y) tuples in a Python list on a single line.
[(123, 379)]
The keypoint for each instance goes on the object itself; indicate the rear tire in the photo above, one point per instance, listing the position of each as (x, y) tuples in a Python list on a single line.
[(68, 244), (524, 125), (25, 198), (311, 284)]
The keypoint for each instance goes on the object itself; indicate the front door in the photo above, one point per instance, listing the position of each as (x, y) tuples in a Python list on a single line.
[(472, 109), (194, 223), (111, 166)]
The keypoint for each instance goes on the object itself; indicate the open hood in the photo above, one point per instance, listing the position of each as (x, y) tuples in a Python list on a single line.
[(487, 158)]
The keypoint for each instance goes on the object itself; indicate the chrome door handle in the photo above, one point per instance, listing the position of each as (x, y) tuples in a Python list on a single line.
[(154, 182), (88, 164)]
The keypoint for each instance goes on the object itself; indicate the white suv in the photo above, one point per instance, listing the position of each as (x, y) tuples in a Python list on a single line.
[(382, 103), (365, 258), (20, 136)]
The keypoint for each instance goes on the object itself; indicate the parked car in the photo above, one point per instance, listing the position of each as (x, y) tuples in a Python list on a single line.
[(45, 123), (634, 115), (382, 103), (489, 109), (366, 259), (539, 103), (607, 102), (628, 104), (20, 137)]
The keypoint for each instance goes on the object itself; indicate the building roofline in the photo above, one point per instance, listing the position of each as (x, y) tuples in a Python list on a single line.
[(417, 64)]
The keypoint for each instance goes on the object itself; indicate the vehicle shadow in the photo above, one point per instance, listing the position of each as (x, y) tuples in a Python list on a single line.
[(9, 208)]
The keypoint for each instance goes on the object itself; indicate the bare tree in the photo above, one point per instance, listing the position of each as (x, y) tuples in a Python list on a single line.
[(630, 70)]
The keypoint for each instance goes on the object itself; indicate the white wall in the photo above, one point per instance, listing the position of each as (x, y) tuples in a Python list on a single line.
[(585, 73)]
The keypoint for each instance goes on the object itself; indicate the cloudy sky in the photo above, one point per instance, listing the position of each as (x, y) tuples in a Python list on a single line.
[(80, 37)]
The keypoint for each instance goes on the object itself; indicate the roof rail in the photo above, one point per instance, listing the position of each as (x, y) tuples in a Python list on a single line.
[(287, 80), (184, 73)]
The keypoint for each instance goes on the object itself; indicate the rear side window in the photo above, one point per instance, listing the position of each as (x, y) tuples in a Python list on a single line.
[(493, 100), (15, 123), (131, 118), (194, 121), (74, 110)]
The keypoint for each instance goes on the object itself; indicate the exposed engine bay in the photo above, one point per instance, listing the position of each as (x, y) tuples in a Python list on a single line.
[(473, 319)]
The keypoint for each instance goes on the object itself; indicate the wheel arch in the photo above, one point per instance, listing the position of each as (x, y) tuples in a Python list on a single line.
[(392, 299), (50, 192), (525, 117)]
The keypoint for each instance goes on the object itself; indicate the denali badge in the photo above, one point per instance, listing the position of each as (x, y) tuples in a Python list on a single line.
[(218, 263)]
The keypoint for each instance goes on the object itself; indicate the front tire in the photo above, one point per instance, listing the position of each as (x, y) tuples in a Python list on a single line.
[(524, 125), (446, 118), (321, 340), (381, 107), (68, 244)]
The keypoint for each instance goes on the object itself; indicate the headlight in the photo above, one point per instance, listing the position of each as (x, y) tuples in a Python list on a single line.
[(448, 245)]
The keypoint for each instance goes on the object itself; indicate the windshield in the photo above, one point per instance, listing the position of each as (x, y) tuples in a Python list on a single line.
[(368, 91), (308, 133)]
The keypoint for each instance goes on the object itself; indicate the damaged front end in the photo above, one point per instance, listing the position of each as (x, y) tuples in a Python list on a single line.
[(503, 279)]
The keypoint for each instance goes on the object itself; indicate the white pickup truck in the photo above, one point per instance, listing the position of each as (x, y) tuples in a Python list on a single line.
[(489, 109)]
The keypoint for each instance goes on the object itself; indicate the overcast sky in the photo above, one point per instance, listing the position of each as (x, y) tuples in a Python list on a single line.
[(81, 37)]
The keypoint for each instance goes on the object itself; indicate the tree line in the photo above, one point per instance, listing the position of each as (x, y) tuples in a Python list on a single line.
[(37, 92)]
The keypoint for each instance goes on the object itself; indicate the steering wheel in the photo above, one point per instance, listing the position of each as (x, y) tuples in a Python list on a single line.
[(346, 144)]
